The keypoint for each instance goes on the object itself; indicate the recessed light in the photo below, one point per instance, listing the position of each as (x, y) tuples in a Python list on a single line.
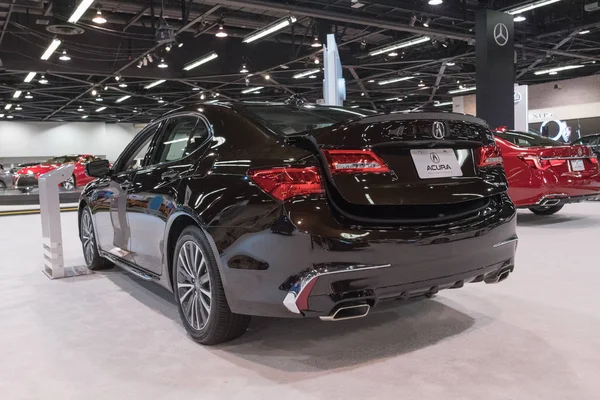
[(64, 56), (519, 18)]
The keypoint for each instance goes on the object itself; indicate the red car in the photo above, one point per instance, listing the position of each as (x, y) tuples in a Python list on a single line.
[(27, 178), (544, 175)]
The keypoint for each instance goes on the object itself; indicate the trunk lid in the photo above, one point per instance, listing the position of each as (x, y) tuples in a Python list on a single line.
[(573, 161), (431, 159)]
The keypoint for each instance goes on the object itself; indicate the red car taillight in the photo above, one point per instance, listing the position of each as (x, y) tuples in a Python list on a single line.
[(354, 161), (594, 160), (490, 156), (540, 163), (284, 183)]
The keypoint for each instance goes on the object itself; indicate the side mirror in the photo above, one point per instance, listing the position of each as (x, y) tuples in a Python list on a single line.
[(97, 169)]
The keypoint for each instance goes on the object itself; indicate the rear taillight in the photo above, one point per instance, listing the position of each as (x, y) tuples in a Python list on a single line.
[(541, 163), (594, 160), (354, 161), (490, 156), (284, 183)]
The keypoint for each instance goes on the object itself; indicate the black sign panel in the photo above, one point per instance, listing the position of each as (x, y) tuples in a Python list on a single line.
[(495, 68)]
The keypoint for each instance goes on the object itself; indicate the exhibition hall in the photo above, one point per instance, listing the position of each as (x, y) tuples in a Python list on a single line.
[(324, 199)]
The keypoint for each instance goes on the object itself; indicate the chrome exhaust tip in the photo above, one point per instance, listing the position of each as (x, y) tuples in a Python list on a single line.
[(550, 202), (348, 312)]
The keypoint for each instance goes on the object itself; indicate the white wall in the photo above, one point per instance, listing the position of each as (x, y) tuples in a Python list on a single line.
[(45, 139)]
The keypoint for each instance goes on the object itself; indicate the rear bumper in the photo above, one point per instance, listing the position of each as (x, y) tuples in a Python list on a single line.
[(561, 199), (317, 265)]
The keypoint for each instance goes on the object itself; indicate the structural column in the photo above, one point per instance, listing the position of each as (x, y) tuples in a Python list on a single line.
[(495, 64)]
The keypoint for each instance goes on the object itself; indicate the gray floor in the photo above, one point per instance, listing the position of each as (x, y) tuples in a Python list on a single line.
[(110, 336)]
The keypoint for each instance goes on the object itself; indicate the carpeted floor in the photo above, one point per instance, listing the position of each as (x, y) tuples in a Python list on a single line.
[(111, 336)]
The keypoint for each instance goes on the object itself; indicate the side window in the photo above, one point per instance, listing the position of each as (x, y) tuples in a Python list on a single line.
[(137, 155), (523, 142), (198, 137), (176, 138)]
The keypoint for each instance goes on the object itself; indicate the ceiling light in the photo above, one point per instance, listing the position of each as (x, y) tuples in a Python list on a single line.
[(51, 49), (435, 2), (139, 64), (18, 107), (283, 66), (180, 45), (362, 93), (269, 29), (584, 32), (243, 70), (394, 80), (105, 87), (80, 109), (168, 48), (121, 99), (393, 99), (371, 81), (30, 77), (155, 83), (552, 73), (17, 94), (202, 96), (8, 106), (200, 61), (10, 117), (195, 88), (117, 77), (162, 64), (254, 89), (99, 98), (43, 80), (1, 115), (212, 101), (221, 32), (531, 6), (122, 85), (160, 100), (451, 63), (306, 73), (99, 18), (461, 90), (94, 92), (28, 96), (312, 76), (519, 18), (438, 104), (557, 69), (317, 60), (427, 23), (100, 109), (145, 61), (316, 42), (81, 8), (84, 116), (421, 84), (267, 77), (393, 54), (399, 45)]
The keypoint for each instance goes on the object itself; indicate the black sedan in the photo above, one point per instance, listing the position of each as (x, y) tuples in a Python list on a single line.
[(284, 210)]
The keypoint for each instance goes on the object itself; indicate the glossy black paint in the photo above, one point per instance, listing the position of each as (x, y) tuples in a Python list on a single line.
[(264, 246)]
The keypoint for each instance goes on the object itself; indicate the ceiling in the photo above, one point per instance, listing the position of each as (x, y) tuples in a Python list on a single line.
[(551, 36)]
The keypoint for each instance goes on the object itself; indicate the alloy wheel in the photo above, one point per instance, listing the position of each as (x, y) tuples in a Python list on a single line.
[(69, 184), (87, 237), (193, 285)]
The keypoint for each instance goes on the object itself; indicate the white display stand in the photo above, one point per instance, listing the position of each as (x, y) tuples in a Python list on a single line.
[(54, 266)]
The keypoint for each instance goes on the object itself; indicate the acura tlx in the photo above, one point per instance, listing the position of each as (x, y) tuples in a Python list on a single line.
[(302, 210)]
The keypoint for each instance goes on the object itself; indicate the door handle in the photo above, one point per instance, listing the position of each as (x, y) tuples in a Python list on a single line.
[(169, 175)]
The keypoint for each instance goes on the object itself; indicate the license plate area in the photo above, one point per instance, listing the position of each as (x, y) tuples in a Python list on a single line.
[(435, 163), (577, 165)]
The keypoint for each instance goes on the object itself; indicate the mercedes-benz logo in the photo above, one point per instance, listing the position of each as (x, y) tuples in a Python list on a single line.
[(517, 97), (501, 34), (435, 158), (438, 130)]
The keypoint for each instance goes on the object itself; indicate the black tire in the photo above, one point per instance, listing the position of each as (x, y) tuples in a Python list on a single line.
[(2, 186), (92, 258), (24, 190), (219, 323), (546, 210)]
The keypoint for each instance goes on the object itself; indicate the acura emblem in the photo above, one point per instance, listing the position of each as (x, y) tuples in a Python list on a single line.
[(438, 130), (435, 158), (501, 34)]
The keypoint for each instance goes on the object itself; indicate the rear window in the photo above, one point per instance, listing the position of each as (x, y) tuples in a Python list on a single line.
[(288, 120), (62, 159), (523, 139)]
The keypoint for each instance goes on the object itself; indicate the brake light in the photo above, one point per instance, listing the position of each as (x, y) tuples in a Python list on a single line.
[(541, 163), (490, 156), (594, 160), (284, 183), (354, 161)]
